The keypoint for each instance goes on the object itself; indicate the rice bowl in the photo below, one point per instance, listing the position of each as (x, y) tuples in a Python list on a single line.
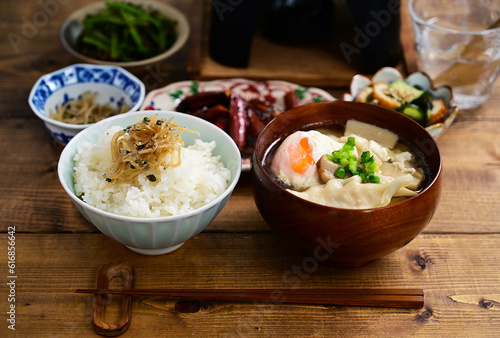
[(192, 212)]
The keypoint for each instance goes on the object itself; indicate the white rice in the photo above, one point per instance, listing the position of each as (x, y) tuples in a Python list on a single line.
[(199, 179)]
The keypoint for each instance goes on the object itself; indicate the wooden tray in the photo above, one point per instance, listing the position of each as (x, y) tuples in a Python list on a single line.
[(321, 65)]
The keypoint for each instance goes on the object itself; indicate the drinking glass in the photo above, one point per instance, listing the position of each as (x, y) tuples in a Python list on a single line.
[(458, 44)]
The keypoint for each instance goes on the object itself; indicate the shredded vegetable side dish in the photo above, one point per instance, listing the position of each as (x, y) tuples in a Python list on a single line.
[(148, 145), (84, 110)]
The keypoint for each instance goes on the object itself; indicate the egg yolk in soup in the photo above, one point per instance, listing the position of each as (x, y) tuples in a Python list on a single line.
[(295, 160), (364, 168), (300, 155)]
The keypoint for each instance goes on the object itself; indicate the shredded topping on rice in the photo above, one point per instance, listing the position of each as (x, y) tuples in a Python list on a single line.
[(147, 146)]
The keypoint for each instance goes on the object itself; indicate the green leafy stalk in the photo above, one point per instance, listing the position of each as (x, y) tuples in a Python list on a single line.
[(126, 32)]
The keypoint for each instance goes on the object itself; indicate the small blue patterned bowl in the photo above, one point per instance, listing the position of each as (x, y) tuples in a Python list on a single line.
[(114, 86)]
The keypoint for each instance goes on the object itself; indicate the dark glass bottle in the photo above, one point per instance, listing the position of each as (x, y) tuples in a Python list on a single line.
[(377, 32), (297, 22), (232, 28)]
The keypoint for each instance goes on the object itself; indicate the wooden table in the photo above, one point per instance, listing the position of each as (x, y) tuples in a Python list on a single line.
[(456, 260)]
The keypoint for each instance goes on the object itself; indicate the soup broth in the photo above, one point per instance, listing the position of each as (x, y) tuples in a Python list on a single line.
[(380, 169)]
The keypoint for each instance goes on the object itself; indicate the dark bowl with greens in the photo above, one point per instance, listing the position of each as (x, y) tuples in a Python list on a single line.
[(127, 34)]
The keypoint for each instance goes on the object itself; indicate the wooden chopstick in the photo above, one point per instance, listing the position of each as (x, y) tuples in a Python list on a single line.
[(407, 298)]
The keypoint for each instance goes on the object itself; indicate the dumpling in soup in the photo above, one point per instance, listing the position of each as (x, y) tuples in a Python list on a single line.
[(353, 171)]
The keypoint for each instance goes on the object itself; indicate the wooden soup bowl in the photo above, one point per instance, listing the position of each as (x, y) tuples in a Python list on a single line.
[(335, 236)]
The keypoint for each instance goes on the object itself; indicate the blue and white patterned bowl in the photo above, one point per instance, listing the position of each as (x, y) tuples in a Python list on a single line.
[(114, 85)]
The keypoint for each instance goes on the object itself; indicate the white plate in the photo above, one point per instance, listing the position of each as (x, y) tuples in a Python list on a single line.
[(271, 92)]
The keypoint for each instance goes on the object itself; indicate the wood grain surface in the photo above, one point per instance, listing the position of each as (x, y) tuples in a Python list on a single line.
[(456, 260), (460, 286)]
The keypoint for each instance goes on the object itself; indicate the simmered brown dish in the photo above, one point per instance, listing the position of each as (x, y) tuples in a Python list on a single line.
[(84, 110)]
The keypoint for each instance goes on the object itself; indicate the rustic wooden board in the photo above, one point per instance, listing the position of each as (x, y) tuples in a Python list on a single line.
[(321, 64), (442, 265)]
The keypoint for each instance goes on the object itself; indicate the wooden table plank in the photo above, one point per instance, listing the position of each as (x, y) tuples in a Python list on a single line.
[(462, 185), (461, 289)]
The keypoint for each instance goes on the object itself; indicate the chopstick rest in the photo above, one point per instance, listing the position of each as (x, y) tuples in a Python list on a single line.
[(125, 272)]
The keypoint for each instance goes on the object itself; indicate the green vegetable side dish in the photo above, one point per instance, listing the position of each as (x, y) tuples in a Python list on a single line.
[(418, 104), (126, 32), (349, 162)]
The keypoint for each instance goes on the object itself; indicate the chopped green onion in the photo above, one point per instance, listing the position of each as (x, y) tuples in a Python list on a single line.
[(300, 92), (365, 157), (146, 119), (353, 167), (372, 178), (340, 172), (194, 88), (346, 158), (372, 166), (369, 161), (177, 94)]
